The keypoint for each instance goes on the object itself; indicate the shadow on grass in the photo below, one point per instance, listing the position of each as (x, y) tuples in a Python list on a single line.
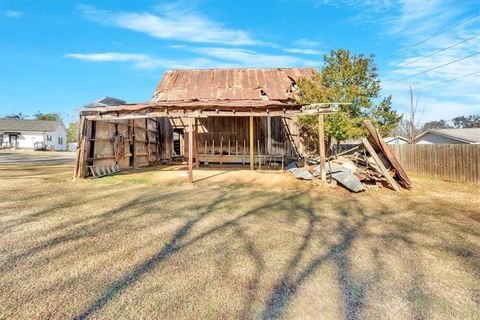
[(351, 225), (168, 249), (351, 221)]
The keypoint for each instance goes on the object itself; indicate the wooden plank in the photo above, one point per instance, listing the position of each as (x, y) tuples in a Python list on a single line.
[(196, 143), (380, 145), (190, 150), (252, 163), (269, 135), (321, 148), (80, 135), (379, 163)]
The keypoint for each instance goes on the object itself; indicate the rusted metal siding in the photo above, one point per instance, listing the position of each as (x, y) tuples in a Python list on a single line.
[(230, 84)]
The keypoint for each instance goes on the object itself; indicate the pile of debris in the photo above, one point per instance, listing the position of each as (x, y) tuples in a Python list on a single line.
[(369, 165)]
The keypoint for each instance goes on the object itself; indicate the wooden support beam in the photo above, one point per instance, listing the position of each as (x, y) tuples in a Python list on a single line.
[(190, 150), (221, 149), (252, 162), (197, 152), (380, 165), (321, 148), (269, 135), (82, 169), (80, 135), (134, 144)]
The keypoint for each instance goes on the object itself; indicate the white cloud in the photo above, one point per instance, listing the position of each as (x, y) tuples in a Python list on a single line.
[(303, 51), (251, 58), (172, 23), (13, 13), (306, 43), (143, 61), (208, 57)]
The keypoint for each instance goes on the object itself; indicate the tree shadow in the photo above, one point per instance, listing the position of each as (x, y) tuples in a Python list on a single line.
[(174, 245), (287, 286)]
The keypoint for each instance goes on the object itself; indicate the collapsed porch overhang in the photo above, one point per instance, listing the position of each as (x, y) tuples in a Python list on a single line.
[(207, 108)]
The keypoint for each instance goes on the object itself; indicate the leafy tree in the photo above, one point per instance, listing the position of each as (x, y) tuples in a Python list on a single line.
[(55, 116), (472, 121), (351, 79), (384, 116), (72, 132)]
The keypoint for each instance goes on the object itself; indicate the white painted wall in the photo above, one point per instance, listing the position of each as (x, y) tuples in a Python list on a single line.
[(27, 139), (60, 132), (432, 138)]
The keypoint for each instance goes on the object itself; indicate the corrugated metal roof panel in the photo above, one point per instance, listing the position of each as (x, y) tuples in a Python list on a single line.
[(229, 84)]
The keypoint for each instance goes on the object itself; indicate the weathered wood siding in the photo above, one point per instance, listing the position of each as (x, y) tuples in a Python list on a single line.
[(149, 140), (140, 142), (218, 133), (453, 162)]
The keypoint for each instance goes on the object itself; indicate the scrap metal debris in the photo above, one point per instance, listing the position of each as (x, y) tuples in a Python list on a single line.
[(301, 173), (368, 166)]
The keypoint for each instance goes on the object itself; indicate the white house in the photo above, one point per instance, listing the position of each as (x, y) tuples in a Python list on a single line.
[(23, 134), (449, 136)]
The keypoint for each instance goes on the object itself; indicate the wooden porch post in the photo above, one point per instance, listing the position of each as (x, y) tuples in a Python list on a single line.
[(321, 148), (252, 161), (196, 147), (269, 135), (190, 150)]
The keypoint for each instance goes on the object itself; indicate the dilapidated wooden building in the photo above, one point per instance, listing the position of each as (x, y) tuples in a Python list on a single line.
[(243, 116)]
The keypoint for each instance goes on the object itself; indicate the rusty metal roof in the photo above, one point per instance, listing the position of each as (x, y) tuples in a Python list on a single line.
[(230, 84)]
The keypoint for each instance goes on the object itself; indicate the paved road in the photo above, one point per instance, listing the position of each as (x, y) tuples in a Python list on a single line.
[(19, 157)]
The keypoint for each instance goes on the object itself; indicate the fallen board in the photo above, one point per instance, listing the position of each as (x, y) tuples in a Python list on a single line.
[(382, 168), (379, 145)]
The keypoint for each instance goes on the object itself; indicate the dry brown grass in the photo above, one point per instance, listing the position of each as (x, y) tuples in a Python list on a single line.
[(130, 246)]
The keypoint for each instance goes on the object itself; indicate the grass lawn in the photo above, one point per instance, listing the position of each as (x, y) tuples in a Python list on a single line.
[(130, 246)]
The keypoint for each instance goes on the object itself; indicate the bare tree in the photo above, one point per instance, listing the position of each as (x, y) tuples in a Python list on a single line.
[(410, 123)]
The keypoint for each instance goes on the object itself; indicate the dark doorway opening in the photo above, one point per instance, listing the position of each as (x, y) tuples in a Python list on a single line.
[(178, 142)]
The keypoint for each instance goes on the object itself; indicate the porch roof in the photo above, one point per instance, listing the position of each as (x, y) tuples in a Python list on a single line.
[(198, 108)]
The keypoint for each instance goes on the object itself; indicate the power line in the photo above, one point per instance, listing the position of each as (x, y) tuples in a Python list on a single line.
[(448, 80), (448, 29), (440, 50), (434, 68)]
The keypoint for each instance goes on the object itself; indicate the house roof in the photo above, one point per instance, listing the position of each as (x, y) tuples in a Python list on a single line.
[(469, 135), (388, 139), (105, 102), (14, 125), (230, 84)]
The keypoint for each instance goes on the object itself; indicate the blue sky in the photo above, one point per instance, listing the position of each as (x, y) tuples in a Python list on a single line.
[(56, 56)]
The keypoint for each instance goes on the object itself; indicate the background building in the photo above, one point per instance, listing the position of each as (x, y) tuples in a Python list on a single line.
[(30, 134)]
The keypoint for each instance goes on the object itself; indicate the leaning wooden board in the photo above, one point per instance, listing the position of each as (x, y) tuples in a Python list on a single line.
[(380, 146), (380, 165)]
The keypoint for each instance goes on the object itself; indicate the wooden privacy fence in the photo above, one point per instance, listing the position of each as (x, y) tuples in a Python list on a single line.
[(453, 162)]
